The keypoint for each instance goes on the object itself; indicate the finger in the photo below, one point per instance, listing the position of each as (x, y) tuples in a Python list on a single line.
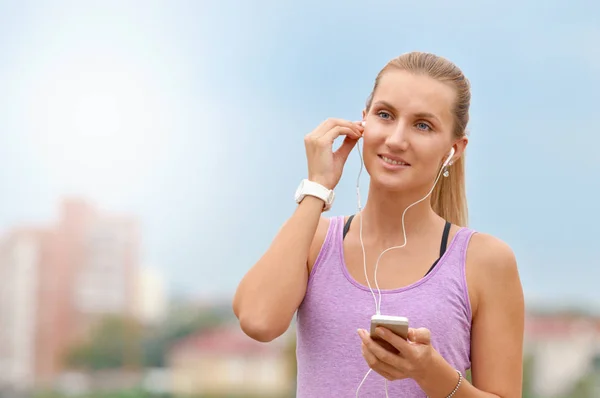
[(420, 336), (398, 342), (344, 150), (381, 353), (328, 139), (335, 132), (360, 124), (387, 371), (329, 124)]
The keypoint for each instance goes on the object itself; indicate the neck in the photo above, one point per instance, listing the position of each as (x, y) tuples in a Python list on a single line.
[(382, 214)]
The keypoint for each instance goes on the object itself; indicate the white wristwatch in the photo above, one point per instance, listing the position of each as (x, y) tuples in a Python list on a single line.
[(317, 190)]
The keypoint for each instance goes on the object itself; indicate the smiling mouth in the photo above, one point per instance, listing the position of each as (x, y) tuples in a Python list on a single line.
[(392, 161)]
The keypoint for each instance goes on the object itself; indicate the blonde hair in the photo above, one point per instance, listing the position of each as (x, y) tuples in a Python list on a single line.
[(448, 199)]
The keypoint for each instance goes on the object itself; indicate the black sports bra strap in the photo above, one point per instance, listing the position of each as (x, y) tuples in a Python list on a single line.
[(347, 225), (443, 245), (445, 235)]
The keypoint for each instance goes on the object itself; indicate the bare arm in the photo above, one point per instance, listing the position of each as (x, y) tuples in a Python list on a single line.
[(272, 290), (499, 318), (269, 294)]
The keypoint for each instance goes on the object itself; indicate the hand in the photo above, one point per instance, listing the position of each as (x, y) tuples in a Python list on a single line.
[(412, 360), (325, 166)]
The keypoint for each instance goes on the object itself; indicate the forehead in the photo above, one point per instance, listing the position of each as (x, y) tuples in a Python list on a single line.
[(411, 93)]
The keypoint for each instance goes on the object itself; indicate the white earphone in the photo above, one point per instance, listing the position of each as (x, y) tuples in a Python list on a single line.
[(448, 160)]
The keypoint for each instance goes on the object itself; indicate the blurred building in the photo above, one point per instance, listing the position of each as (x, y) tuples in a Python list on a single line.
[(565, 351), (19, 259), (152, 298), (225, 362), (56, 281)]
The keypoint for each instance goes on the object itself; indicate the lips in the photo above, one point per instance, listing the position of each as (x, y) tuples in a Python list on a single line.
[(393, 160)]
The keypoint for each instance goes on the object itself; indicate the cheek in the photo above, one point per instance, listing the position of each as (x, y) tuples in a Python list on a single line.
[(370, 145), (431, 163), (373, 138)]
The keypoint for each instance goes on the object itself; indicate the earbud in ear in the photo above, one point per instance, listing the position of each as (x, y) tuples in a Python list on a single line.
[(449, 158), (363, 123)]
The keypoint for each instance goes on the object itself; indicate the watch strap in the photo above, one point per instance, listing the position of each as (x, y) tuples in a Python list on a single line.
[(317, 190)]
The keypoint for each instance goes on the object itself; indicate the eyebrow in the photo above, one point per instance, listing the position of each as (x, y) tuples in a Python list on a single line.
[(420, 115), (426, 115)]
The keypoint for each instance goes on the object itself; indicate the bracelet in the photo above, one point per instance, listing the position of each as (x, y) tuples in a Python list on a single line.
[(460, 377)]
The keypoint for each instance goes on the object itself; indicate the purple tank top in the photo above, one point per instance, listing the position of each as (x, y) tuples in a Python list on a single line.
[(330, 363)]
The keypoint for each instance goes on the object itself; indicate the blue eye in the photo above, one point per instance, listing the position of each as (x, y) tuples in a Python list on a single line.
[(423, 126), (382, 114)]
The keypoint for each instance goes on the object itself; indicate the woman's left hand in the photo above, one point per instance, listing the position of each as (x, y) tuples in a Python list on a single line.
[(412, 360)]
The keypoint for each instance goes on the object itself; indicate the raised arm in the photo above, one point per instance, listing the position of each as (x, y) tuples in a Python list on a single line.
[(271, 291)]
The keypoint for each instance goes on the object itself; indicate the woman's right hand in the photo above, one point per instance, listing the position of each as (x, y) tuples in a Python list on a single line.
[(325, 166)]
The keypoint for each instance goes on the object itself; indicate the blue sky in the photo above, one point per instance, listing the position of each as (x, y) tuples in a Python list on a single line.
[(191, 115)]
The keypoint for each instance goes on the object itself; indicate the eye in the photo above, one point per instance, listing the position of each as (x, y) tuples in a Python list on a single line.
[(423, 126), (384, 114)]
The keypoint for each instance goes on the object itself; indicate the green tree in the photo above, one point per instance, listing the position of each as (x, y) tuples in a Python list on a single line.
[(290, 355), (528, 376), (113, 343), (584, 388)]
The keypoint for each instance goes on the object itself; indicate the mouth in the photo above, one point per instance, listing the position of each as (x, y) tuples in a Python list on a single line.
[(394, 161)]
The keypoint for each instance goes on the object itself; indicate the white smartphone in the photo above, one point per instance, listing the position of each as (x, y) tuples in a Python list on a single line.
[(396, 324)]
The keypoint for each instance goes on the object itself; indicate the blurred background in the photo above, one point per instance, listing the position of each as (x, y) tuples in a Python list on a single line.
[(149, 152)]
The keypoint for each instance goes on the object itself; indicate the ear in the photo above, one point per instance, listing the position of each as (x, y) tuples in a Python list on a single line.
[(364, 114), (459, 146)]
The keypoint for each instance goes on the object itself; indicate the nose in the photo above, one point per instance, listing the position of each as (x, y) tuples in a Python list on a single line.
[(398, 137)]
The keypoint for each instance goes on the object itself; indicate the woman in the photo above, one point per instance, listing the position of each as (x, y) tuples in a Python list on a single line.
[(460, 290)]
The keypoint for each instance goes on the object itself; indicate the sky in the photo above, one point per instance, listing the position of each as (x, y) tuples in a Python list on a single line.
[(191, 116)]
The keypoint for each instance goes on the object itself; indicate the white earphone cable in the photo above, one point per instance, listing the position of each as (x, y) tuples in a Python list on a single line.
[(378, 302)]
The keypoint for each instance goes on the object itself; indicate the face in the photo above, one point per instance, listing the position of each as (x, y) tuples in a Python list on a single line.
[(409, 131)]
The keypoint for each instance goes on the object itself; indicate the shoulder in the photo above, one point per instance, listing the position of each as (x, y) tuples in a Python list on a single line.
[(492, 253), (492, 270)]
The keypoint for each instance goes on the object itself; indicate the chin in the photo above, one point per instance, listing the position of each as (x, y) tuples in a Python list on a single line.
[(393, 185), (393, 182)]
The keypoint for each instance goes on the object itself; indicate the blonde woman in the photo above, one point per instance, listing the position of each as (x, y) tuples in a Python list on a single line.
[(459, 289)]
